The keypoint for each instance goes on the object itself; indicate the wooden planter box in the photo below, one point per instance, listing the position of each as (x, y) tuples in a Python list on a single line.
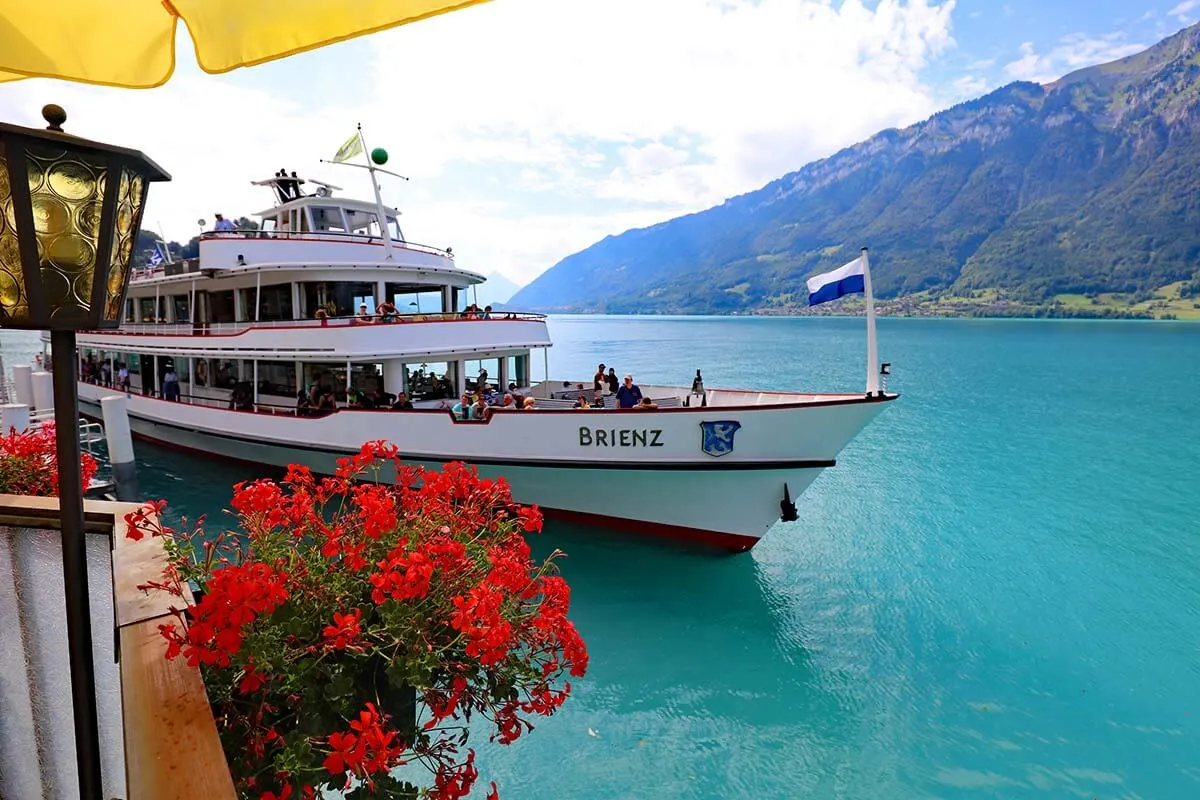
[(171, 747)]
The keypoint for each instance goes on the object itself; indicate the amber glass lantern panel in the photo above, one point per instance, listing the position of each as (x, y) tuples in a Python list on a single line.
[(14, 301), (66, 193), (131, 197)]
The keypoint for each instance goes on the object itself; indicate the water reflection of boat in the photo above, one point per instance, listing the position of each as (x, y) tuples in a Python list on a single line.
[(290, 343)]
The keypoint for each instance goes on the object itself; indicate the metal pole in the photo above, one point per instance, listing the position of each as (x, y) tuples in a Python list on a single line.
[(872, 346), (75, 577)]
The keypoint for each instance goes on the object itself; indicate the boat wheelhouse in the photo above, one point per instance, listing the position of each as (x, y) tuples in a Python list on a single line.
[(289, 343)]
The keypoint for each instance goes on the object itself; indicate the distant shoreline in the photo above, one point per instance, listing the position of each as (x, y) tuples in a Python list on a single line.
[(860, 315)]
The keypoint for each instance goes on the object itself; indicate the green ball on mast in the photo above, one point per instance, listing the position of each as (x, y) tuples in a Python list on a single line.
[(379, 156)]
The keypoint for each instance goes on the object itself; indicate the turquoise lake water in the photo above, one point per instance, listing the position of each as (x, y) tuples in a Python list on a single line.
[(996, 593)]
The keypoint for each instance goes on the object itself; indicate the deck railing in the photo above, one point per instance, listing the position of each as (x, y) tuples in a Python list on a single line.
[(233, 328), (158, 739)]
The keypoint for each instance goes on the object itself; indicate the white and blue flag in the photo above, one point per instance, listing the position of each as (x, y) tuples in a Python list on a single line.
[(157, 258), (850, 279)]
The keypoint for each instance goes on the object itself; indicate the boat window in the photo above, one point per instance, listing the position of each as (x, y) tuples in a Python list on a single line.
[(220, 306), (149, 314), (394, 229), (471, 370), (129, 309), (327, 376), (276, 302), (361, 222), (183, 369), (180, 303), (277, 378), (518, 370), (224, 374), (430, 381), (134, 363), (328, 219), (415, 298)]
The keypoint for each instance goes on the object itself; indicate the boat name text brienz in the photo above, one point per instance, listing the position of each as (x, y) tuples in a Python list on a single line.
[(619, 437)]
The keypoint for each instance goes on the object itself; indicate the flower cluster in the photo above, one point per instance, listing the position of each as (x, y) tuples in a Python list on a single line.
[(29, 463), (357, 622)]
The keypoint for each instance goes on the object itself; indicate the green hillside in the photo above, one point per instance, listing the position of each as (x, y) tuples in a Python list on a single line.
[(1085, 187)]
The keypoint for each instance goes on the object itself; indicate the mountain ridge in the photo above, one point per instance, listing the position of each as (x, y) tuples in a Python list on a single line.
[(1082, 185)]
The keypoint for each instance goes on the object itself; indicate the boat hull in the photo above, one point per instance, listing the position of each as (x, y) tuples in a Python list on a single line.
[(726, 501)]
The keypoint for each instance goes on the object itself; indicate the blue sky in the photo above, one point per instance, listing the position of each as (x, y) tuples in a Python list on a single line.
[(533, 128)]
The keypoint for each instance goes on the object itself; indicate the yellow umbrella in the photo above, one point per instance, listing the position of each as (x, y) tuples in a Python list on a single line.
[(132, 43)]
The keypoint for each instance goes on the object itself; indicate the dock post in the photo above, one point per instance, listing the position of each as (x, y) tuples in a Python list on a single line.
[(14, 416), (23, 384), (43, 391), (120, 447)]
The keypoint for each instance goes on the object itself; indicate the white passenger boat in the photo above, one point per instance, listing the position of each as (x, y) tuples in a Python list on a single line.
[(262, 316)]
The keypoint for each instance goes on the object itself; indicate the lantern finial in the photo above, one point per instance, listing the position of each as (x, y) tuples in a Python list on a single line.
[(55, 116)]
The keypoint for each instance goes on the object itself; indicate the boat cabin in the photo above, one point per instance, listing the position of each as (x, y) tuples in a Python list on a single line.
[(319, 294)]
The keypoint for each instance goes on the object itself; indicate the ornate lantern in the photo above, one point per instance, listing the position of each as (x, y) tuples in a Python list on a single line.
[(70, 211)]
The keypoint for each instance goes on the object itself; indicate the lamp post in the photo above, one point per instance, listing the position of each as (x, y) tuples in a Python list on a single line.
[(70, 210)]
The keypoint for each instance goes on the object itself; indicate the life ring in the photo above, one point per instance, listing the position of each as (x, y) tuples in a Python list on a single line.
[(202, 373)]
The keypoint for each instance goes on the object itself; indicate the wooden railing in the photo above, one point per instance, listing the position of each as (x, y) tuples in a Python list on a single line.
[(171, 747)]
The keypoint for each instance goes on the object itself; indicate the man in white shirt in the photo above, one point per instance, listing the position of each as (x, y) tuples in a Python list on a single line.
[(223, 224)]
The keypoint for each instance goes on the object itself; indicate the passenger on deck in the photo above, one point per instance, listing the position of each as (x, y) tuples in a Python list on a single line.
[(171, 386), (611, 380), (223, 224), (487, 312), (387, 312), (598, 400), (598, 380), (363, 316), (646, 405), (581, 402), (402, 403), (462, 409), (480, 410), (629, 395)]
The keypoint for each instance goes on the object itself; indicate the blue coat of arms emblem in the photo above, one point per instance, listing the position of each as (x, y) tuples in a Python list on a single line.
[(716, 438)]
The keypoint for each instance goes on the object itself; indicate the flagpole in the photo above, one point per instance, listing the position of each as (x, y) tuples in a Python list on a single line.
[(379, 209), (872, 345)]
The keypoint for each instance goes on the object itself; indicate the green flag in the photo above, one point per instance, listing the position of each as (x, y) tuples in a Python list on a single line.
[(349, 150)]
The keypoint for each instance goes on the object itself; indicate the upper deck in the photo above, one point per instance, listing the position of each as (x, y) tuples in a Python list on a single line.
[(311, 231)]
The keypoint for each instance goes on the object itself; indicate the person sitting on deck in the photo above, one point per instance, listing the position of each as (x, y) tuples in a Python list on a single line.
[(387, 311), (363, 316), (629, 395), (462, 409), (480, 411), (402, 403), (646, 405), (581, 402)]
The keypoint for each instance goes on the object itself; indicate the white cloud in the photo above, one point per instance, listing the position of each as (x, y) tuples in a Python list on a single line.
[(1183, 11), (1074, 51), (532, 128), (969, 86)]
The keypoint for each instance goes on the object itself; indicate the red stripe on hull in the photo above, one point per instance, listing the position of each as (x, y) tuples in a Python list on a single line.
[(729, 542)]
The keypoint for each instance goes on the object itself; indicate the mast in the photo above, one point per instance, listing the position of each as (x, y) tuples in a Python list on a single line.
[(872, 344), (379, 209)]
